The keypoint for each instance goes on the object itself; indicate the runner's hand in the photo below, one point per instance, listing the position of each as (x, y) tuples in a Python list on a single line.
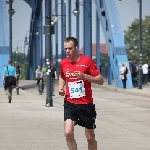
[(79, 74), (61, 92)]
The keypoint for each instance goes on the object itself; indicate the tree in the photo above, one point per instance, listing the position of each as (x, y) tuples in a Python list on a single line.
[(132, 40)]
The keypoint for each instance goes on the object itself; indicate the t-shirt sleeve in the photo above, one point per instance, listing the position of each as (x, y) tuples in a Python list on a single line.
[(61, 73), (93, 71)]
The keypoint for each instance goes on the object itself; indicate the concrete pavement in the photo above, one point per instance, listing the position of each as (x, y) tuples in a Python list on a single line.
[(26, 124), (145, 91)]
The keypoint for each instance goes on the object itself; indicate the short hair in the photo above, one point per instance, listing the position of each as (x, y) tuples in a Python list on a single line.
[(18, 67), (10, 62), (74, 40)]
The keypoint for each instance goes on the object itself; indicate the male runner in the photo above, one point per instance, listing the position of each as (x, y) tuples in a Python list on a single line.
[(77, 72)]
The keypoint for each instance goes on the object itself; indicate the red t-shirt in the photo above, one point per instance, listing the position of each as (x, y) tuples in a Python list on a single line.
[(78, 91)]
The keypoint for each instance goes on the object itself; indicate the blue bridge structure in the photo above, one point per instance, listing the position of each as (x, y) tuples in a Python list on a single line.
[(106, 14)]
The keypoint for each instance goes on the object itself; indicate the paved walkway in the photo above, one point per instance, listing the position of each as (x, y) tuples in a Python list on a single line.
[(145, 91), (122, 123)]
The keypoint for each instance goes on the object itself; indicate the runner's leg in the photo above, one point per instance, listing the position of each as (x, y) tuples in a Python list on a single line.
[(69, 133), (90, 136)]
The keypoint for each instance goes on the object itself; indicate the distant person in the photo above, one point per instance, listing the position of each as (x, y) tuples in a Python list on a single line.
[(9, 78), (39, 76), (44, 70), (53, 78), (123, 72), (145, 73), (18, 71), (134, 69), (134, 72)]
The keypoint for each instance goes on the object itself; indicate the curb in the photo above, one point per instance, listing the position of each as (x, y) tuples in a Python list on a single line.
[(142, 93)]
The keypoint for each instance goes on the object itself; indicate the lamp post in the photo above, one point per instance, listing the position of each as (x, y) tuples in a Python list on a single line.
[(62, 17), (140, 44), (25, 40), (17, 52), (54, 19), (25, 43), (63, 21), (11, 12), (76, 13), (48, 51), (21, 59)]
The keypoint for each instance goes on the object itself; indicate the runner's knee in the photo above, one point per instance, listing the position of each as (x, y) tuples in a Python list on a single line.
[(68, 133), (90, 139)]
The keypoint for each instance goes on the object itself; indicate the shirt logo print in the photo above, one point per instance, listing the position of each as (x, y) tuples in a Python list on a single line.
[(70, 74)]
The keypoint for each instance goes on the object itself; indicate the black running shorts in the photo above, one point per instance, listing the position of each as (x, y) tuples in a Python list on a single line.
[(83, 114)]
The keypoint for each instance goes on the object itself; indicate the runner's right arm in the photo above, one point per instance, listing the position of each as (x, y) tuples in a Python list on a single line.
[(61, 81), (61, 86)]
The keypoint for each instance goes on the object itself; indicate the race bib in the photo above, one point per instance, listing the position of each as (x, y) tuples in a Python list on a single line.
[(76, 89)]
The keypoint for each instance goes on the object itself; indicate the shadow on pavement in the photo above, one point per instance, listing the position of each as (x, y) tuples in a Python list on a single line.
[(24, 87)]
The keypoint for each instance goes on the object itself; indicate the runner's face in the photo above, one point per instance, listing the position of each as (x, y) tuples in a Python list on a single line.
[(70, 49)]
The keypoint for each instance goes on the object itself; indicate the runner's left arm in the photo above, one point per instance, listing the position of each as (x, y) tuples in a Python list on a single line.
[(96, 79), (93, 75)]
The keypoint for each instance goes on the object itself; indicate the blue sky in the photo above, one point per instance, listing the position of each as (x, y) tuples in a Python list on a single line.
[(128, 10)]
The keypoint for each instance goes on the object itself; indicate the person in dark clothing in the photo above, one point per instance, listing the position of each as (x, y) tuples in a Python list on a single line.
[(53, 78), (134, 72), (9, 79), (17, 79), (18, 72)]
